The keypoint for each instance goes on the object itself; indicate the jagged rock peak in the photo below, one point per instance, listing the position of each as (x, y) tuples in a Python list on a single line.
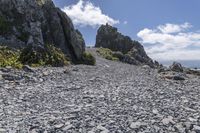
[(133, 51)]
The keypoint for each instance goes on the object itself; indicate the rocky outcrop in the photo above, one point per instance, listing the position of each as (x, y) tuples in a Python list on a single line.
[(177, 67), (177, 72), (133, 52), (39, 22)]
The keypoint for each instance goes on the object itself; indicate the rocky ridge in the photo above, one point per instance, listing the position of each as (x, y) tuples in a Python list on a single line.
[(39, 22), (131, 52)]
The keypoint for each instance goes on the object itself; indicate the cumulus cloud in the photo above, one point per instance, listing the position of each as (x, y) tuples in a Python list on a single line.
[(174, 28), (171, 42), (85, 13)]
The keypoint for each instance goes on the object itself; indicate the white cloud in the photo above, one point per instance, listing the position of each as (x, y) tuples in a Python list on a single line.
[(84, 13), (183, 54), (174, 28), (170, 42)]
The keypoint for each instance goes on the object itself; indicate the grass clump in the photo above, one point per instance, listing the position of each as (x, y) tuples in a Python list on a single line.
[(39, 56), (107, 54), (88, 59), (9, 57), (56, 57), (4, 26)]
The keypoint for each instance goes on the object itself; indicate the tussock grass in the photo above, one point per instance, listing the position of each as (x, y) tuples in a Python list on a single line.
[(88, 59), (33, 56), (38, 56), (107, 54), (9, 57)]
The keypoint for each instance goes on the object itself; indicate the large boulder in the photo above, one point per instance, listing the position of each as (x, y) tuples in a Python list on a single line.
[(134, 53), (39, 22), (177, 67)]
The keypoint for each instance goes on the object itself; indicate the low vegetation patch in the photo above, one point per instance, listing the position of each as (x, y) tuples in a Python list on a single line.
[(107, 54), (38, 56), (88, 59), (9, 57), (33, 56), (48, 55)]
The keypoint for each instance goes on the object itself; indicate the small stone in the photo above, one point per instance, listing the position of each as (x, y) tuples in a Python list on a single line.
[(179, 128), (192, 119), (1, 77), (2, 130), (41, 80), (155, 111), (168, 120), (11, 77), (46, 73), (196, 128), (178, 77), (91, 132), (136, 125), (59, 126), (66, 128), (33, 131), (103, 129), (75, 69), (27, 68)]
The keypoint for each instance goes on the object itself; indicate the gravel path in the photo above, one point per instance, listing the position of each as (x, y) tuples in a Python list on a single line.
[(110, 97)]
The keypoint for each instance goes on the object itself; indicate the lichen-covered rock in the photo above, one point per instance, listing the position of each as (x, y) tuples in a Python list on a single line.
[(39, 22), (134, 53)]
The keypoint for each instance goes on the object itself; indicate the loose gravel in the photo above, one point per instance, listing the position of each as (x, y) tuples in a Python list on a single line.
[(111, 97)]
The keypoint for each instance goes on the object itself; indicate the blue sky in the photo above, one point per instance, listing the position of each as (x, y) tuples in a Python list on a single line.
[(169, 29)]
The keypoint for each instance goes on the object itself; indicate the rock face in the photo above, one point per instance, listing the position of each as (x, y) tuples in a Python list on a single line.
[(38, 22), (133, 51)]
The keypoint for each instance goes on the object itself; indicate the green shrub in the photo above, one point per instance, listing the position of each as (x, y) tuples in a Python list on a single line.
[(33, 56), (118, 55), (39, 56), (56, 57), (88, 59), (9, 57), (107, 54), (4, 26)]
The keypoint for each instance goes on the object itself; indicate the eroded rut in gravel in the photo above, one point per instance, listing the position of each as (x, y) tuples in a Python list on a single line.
[(111, 97)]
